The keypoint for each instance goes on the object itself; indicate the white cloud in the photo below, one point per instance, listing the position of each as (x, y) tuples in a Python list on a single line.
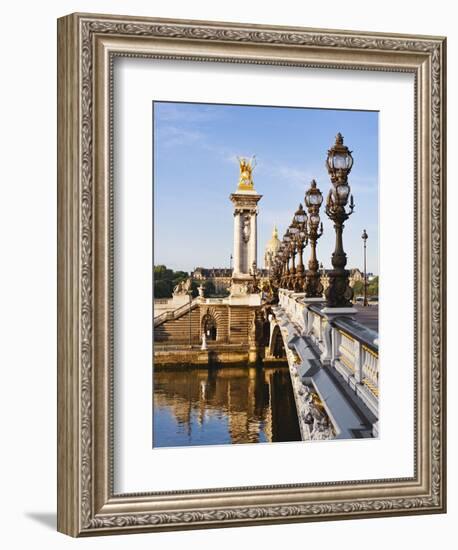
[(171, 136)]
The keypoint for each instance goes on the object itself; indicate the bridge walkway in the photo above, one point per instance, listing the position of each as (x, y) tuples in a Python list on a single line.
[(348, 415)]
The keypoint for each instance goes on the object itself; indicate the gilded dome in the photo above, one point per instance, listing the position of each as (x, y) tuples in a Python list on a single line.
[(274, 243)]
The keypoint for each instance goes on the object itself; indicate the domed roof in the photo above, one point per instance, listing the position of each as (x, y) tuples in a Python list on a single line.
[(274, 243)]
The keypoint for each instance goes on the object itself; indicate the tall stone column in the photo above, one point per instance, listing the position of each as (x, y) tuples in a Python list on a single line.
[(245, 233), (253, 242), (237, 242), (245, 201)]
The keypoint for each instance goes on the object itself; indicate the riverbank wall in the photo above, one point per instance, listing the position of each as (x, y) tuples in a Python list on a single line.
[(221, 356)]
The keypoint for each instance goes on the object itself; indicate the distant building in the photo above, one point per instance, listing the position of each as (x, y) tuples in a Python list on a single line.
[(220, 277), (271, 250), (356, 275)]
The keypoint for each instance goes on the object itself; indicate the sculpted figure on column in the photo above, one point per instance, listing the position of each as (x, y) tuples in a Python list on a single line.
[(246, 172)]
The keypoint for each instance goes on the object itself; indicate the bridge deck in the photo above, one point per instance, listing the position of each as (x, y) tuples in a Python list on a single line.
[(349, 415), (367, 316)]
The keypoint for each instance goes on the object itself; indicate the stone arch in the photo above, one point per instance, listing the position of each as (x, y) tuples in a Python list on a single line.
[(209, 327), (217, 318)]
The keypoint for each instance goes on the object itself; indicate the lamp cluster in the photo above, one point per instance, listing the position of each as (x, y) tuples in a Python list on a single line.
[(306, 228)]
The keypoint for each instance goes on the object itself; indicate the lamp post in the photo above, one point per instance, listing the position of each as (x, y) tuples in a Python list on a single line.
[(281, 264), (254, 273), (313, 200), (298, 229), (292, 230), (287, 241), (285, 260), (274, 273), (364, 237), (339, 164)]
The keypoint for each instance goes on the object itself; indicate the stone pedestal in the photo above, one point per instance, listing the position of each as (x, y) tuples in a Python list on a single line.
[(244, 300), (330, 352), (307, 314)]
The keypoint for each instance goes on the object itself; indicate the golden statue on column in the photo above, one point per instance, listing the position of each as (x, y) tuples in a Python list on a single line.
[(246, 173)]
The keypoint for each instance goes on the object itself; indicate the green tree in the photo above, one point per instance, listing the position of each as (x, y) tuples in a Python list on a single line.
[(163, 289), (194, 288), (358, 288), (165, 280), (159, 270), (161, 273), (372, 287)]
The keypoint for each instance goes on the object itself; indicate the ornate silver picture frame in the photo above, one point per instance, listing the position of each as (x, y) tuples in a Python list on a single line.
[(87, 47)]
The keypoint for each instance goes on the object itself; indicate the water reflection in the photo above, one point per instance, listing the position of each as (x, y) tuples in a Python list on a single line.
[(227, 405)]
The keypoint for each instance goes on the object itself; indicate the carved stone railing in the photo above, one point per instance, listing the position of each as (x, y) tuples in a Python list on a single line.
[(213, 301), (175, 313), (344, 344)]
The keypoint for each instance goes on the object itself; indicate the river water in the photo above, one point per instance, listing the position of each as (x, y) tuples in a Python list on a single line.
[(196, 406)]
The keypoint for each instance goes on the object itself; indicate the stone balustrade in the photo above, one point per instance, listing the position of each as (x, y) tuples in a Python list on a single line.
[(342, 342)]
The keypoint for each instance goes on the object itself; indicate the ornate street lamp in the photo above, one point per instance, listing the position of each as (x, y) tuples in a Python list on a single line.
[(339, 163), (364, 237), (254, 273), (282, 265), (285, 268), (276, 270), (275, 276), (313, 200), (287, 256), (299, 225), (292, 231)]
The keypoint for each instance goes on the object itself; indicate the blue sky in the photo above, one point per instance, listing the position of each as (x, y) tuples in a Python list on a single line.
[(196, 169)]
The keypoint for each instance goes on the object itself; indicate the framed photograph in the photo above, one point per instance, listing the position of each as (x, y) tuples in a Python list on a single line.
[(251, 291)]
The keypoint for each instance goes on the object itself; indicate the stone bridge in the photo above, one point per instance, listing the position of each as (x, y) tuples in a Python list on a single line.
[(332, 358), (333, 362)]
